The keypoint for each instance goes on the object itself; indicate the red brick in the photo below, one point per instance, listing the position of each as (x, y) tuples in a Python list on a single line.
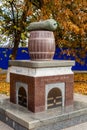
[(36, 89)]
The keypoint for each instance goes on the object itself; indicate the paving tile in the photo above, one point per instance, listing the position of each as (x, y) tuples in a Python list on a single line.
[(82, 126), (3, 126)]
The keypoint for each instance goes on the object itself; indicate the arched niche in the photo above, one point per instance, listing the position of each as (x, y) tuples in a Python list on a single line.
[(54, 98), (22, 94), (60, 87), (22, 97)]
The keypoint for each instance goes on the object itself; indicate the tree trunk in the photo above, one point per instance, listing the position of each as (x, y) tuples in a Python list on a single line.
[(16, 44), (17, 33)]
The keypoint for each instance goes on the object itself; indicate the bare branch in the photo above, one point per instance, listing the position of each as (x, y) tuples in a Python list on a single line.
[(12, 8), (17, 13)]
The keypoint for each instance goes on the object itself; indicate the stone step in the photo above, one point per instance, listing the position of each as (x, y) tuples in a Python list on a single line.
[(19, 118)]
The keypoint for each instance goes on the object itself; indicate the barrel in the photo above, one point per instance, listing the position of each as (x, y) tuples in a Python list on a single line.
[(41, 45)]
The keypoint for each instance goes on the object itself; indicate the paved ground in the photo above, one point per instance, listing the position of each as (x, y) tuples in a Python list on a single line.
[(3, 126), (82, 126)]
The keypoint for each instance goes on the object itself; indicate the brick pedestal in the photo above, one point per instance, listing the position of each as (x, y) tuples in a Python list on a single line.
[(37, 77)]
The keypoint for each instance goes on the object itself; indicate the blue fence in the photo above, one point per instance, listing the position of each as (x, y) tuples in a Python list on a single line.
[(5, 54), (23, 54)]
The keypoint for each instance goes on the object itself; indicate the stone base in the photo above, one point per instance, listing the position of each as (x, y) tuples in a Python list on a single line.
[(20, 118), (38, 88), (37, 79)]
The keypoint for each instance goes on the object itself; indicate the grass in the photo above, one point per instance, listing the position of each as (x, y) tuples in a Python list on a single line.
[(80, 84)]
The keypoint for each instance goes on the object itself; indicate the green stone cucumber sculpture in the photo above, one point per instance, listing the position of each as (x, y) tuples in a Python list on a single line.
[(50, 25)]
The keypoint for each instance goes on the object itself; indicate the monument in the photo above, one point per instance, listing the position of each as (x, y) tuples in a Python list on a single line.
[(41, 89), (41, 83)]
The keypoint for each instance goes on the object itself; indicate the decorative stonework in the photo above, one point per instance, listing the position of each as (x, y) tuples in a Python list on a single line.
[(41, 45), (40, 72), (40, 81), (18, 86), (40, 69), (60, 86)]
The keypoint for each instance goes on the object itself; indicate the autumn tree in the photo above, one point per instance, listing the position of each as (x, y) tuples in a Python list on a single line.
[(72, 30), (71, 16), (15, 16)]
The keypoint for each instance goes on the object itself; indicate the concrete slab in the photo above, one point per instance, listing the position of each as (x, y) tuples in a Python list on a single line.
[(54, 119), (41, 64)]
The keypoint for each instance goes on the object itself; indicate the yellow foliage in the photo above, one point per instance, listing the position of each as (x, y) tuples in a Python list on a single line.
[(29, 13), (73, 27), (71, 16), (4, 86), (80, 85), (82, 32)]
